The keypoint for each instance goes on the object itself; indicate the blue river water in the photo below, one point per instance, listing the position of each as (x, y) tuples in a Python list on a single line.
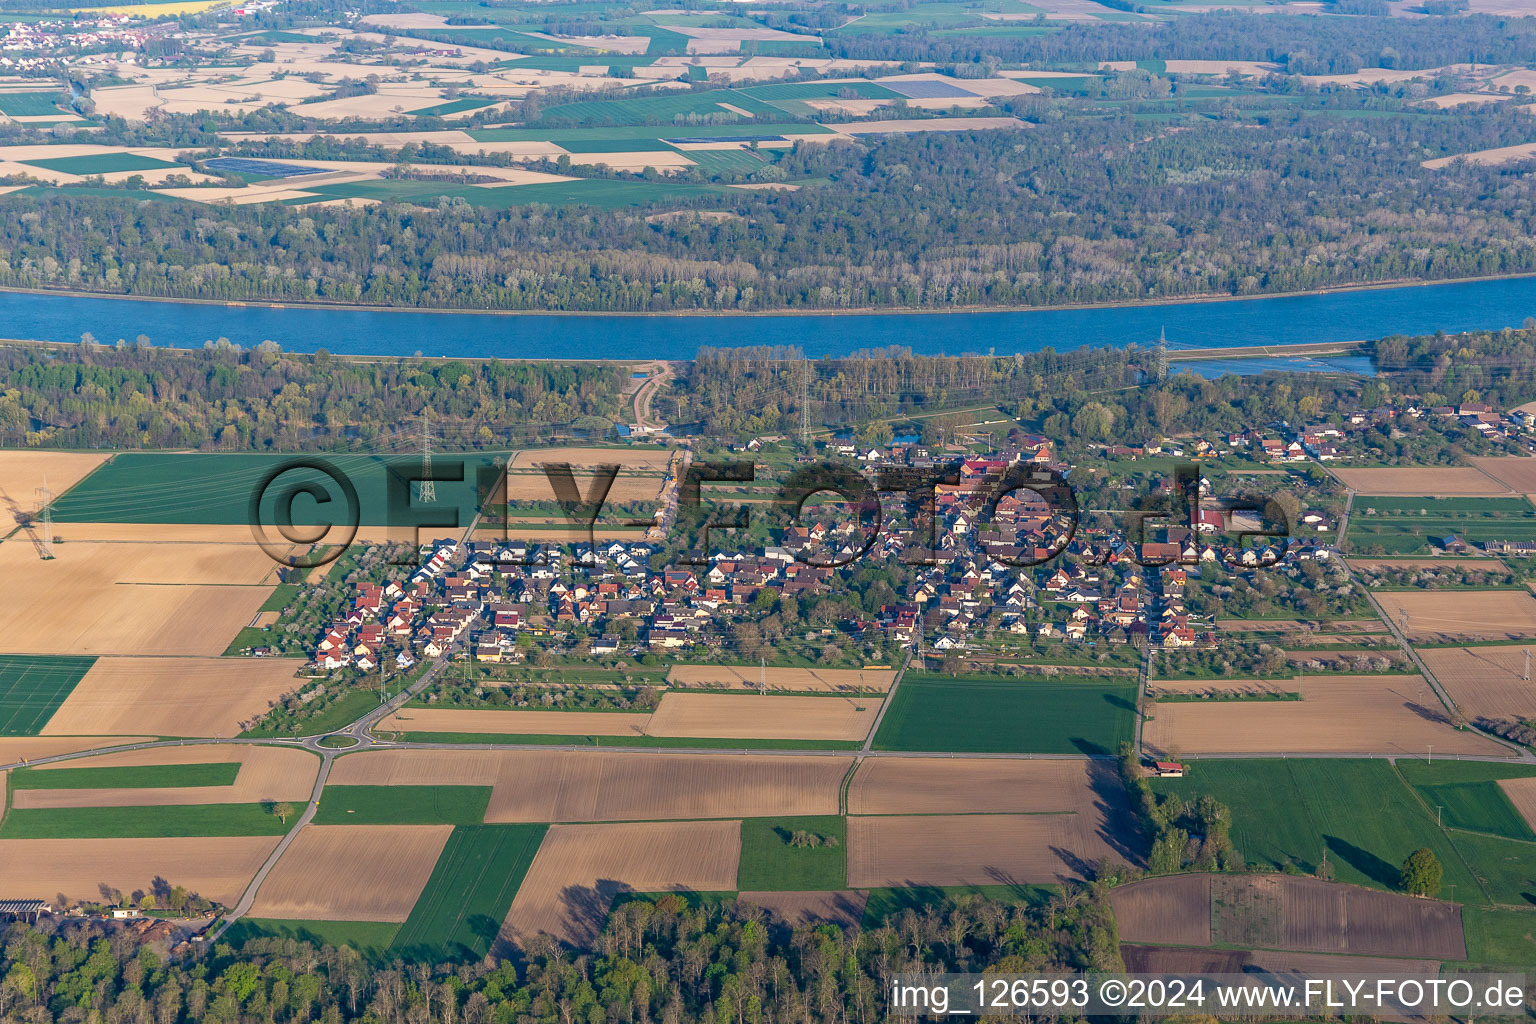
[(1323, 317)]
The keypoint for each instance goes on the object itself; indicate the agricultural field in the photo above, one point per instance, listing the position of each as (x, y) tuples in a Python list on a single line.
[(1462, 614), (874, 679), (918, 785), (1485, 680), (23, 473), (1472, 795), (461, 907), (129, 599), (136, 822), (743, 716), (216, 868), (186, 776), (1518, 473), (581, 868), (772, 860), (1362, 814), (985, 714), (352, 873), (403, 805), (555, 785), (500, 722), (33, 688), (1286, 912), (1392, 714), (844, 908), (1429, 481), (981, 849), (173, 697)]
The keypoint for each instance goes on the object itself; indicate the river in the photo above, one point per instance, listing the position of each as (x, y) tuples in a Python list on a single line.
[(1295, 319)]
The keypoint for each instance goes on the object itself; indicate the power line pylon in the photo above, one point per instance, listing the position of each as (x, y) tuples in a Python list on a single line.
[(428, 493), (45, 499), (1160, 357), (805, 400)]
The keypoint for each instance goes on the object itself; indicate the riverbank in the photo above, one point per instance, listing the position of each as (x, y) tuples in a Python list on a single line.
[(1179, 300)]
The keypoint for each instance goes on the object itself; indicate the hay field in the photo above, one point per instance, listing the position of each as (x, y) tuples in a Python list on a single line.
[(936, 785), (1485, 680), (216, 868), (1516, 472), (515, 723), (1389, 714), (128, 599), (15, 749), (555, 785), (351, 873), (1175, 910), (1423, 481), (1522, 793), (173, 696), (23, 472), (984, 849), (832, 680), (282, 774), (1481, 614), (580, 868), (752, 716), (844, 907)]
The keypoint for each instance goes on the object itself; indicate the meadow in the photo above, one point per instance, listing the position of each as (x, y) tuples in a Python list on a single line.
[(470, 892), (145, 776), (770, 863), (1468, 794), (982, 714), (102, 163), (32, 688)]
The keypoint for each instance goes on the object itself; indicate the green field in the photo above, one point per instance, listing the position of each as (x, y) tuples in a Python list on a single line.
[(471, 889), (1468, 794), (1398, 506), (218, 489), (403, 805), (1286, 813), (820, 91), (143, 822), (30, 104), (729, 161), (770, 864), (985, 714), (32, 688), (148, 776), (102, 163), (280, 597), (1500, 936), (457, 106), (1400, 526), (363, 936)]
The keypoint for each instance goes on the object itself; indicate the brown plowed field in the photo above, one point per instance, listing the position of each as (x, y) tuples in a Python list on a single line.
[(984, 849), (1285, 912), (1175, 910), (23, 472), (1485, 680), (633, 458), (1460, 613), (1337, 714), (580, 868), (15, 749), (844, 908), (536, 723), (1522, 793), (1489, 564), (173, 696), (1423, 481), (937, 785), (612, 786), (752, 716), (1516, 472), (352, 873), (266, 773), (126, 599), (217, 868), (836, 680)]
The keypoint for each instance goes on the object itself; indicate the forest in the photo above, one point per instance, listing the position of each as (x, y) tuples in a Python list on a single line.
[(669, 960), (1319, 198), (132, 395)]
